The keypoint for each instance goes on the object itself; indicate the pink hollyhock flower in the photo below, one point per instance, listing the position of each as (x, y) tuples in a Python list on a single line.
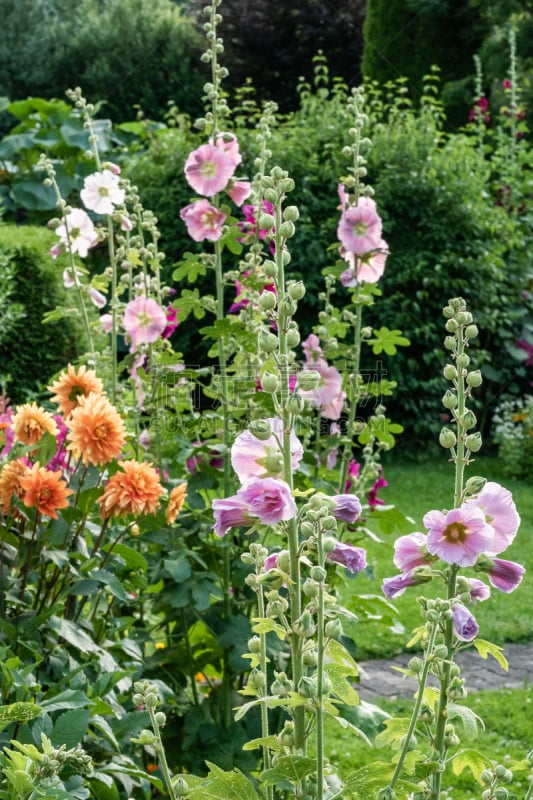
[(239, 191), (312, 349), (344, 197), (77, 233), (208, 169), (101, 192), (459, 536), (328, 396), (172, 322), (478, 590), (349, 556), (271, 562), (229, 144), (500, 513), (144, 439), (506, 83), (411, 551), (352, 474), (203, 221), (372, 498), (465, 626), (69, 276), (55, 251), (503, 575), (367, 269), (249, 224), (253, 458), (106, 321), (98, 299), (359, 229), (144, 321), (266, 500), (347, 508)]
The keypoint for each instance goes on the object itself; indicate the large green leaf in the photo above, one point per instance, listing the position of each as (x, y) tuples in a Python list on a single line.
[(70, 698), (70, 728), (220, 785), (18, 712)]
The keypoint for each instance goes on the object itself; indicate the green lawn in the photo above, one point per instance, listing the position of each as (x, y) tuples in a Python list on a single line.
[(415, 489)]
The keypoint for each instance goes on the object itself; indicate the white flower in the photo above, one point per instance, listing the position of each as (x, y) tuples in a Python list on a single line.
[(101, 192), (77, 233), (97, 297)]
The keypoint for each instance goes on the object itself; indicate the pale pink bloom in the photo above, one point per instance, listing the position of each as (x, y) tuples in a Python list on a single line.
[(125, 223), (331, 458), (359, 229), (208, 169), (144, 321), (459, 536), (478, 590), (114, 168), (411, 551), (349, 556), (77, 232), (312, 349), (144, 439), (101, 192), (465, 626), (106, 321), (500, 512), (229, 144), (97, 297), (504, 575), (239, 191), (344, 197), (347, 508), (328, 396), (56, 250), (263, 500), (68, 277), (203, 221), (367, 269), (251, 457)]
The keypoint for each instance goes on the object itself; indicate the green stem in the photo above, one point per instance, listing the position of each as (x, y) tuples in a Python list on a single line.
[(265, 730), (354, 399), (114, 304), (162, 756), (416, 709), (320, 679)]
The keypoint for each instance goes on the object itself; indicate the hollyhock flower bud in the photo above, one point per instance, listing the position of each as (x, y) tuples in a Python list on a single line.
[(503, 575), (450, 372), (474, 485), (267, 301), (347, 508), (261, 429), (296, 290), (478, 590), (270, 382), (395, 586), (447, 438), (266, 221), (471, 331), (305, 626), (308, 380), (449, 400), (293, 337), (474, 379), (291, 213), (333, 629), (465, 626), (473, 442)]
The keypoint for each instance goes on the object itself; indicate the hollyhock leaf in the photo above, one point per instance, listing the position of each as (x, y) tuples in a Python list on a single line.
[(289, 768), (178, 568), (468, 718), (485, 649), (387, 341), (190, 268), (475, 761)]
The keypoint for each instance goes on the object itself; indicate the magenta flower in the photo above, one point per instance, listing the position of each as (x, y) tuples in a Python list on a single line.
[(372, 498), (347, 508), (271, 562), (253, 458), (459, 536), (203, 221), (266, 500), (144, 321), (395, 586), (349, 556), (208, 169), (478, 590), (500, 513), (359, 229), (465, 626), (239, 191), (411, 551), (172, 322), (77, 233), (352, 475), (503, 575)]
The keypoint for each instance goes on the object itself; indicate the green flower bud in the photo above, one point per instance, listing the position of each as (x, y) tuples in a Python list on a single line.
[(318, 574), (471, 331), (329, 523), (160, 718), (486, 776), (501, 793), (474, 485), (256, 680), (281, 684), (449, 343), (447, 438), (451, 325), (287, 229), (180, 786), (261, 429), (416, 665), (307, 687), (286, 185), (329, 545), (267, 300), (473, 442), (468, 420), (307, 529), (266, 221), (387, 794), (270, 382), (474, 379), (287, 306), (273, 463), (295, 403), (310, 657), (293, 337), (440, 651), (285, 257), (449, 400), (304, 626), (463, 360), (254, 644), (296, 290), (286, 736), (308, 380), (268, 342), (271, 195), (291, 213), (333, 629), (271, 269), (310, 588), (448, 312), (450, 372)]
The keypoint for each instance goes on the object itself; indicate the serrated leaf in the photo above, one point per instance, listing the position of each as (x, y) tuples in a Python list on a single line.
[(340, 685), (339, 655), (70, 728), (268, 625), (473, 760), (367, 781), (387, 341), (220, 785), (485, 649), (272, 742), (289, 768), (395, 730), (468, 717)]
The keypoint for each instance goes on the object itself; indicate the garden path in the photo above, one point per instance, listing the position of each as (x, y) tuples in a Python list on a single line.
[(379, 678)]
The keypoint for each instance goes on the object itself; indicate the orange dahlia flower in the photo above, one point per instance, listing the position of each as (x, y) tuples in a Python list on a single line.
[(175, 502), (30, 422), (10, 483), (135, 491), (44, 490), (97, 432), (71, 386)]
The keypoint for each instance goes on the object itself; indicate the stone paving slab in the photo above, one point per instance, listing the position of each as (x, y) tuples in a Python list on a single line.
[(379, 678)]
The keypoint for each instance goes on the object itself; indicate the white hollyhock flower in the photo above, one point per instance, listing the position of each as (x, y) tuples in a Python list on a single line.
[(101, 192)]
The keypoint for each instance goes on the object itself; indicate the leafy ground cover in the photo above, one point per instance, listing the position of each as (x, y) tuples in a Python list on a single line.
[(415, 489)]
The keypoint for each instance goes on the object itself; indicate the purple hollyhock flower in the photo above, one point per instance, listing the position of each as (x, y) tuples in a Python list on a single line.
[(349, 556), (230, 512), (478, 590), (347, 508), (505, 575), (459, 536), (464, 623), (500, 513), (395, 586), (411, 551), (255, 458), (268, 499)]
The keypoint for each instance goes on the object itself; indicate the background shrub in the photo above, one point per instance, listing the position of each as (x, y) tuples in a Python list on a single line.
[(31, 352)]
